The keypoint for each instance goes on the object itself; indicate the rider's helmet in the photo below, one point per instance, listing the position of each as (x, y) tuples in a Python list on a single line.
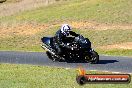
[(65, 28)]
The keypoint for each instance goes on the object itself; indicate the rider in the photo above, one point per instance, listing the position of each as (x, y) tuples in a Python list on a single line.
[(61, 35)]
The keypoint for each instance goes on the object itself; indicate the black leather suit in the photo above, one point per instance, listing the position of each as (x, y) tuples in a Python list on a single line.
[(59, 38)]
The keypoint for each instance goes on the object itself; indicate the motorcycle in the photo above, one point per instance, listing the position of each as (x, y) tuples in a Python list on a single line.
[(79, 49)]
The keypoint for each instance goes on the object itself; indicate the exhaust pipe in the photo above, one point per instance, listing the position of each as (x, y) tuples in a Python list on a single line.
[(51, 51), (46, 47)]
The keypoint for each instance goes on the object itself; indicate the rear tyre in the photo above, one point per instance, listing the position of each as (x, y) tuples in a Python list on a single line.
[(50, 56), (95, 57), (53, 57)]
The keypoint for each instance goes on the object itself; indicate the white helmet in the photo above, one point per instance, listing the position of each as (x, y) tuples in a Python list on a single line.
[(65, 28)]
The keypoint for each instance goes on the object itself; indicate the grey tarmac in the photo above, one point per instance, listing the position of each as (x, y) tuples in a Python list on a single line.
[(106, 63)]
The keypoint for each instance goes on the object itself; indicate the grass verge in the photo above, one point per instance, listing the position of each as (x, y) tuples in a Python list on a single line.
[(116, 52), (29, 76), (104, 11)]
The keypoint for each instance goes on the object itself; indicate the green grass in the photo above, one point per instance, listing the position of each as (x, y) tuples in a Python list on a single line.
[(115, 52), (21, 43), (28, 76), (104, 11)]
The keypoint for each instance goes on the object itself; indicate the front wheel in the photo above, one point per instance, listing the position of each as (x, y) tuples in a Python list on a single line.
[(94, 57)]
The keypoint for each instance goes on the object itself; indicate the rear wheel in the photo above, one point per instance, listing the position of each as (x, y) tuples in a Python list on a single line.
[(52, 57), (49, 55)]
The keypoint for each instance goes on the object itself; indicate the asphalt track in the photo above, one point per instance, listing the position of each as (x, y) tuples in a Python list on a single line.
[(107, 63)]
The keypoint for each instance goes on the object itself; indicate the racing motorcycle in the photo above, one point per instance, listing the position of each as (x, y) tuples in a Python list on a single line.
[(79, 49)]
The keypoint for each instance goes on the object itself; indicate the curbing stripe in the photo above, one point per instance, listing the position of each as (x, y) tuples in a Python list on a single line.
[(93, 70), (116, 72), (112, 72)]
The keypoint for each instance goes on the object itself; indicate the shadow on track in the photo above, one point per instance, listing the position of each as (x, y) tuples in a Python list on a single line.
[(107, 61), (100, 61)]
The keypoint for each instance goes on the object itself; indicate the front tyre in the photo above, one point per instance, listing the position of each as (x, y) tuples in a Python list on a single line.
[(94, 57)]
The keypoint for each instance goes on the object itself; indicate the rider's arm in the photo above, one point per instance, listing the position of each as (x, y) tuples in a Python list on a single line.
[(59, 40), (73, 34)]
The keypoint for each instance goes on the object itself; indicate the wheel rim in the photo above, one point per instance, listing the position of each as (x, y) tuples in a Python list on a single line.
[(94, 59)]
